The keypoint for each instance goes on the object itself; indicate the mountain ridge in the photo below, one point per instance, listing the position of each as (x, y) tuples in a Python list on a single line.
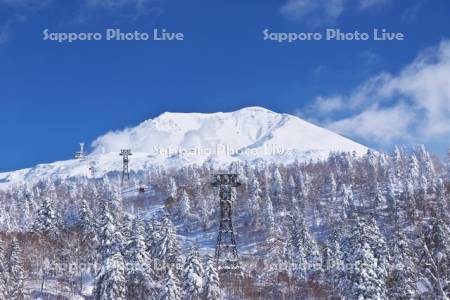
[(176, 139)]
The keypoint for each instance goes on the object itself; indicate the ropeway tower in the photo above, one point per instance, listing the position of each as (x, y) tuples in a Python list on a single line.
[(125, 153), (80, 154), (226, 255)]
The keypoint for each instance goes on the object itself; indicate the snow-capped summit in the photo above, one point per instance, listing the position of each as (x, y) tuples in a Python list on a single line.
[(178, 139), (251, 129)]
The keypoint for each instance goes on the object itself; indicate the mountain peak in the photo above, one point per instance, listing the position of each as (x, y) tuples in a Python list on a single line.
[(246, 128)]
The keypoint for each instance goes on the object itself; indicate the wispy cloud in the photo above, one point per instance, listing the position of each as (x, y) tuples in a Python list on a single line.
[(322, 12), (411, 106), (130, 9), (6, 27), (411, 13), (17, 12), (20, 10)]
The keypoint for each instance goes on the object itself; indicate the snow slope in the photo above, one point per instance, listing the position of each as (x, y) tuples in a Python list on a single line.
[(179, 139)]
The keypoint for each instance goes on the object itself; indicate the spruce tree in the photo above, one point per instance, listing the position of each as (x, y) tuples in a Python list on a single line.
[(332, 259), (110, 283), (211, 281), (364, 266), (435, 256), (172, 188), (184, 204), (87, 223), (139, 276), (4, 278), (402, 277), (277, 187), (192, 275), (171, 288), (16, 277), (46, 220), (166, 248), (301, 251), (254, 199), (268, 214)]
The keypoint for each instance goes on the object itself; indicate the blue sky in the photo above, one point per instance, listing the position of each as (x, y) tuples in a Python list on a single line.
[(54, 95)]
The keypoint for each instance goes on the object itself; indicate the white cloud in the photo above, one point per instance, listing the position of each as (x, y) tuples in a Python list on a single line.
[(17, 11), (6, 27), (136, 7), (325, 10), (413, 105), (366, 4), (326, 105), (382, 124), (319, 12), (412, 12)]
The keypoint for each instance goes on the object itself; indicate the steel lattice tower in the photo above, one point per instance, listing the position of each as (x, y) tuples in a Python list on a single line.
[(126, 172), (226, 256)]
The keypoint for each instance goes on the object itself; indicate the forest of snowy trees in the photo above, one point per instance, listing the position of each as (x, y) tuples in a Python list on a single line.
[(371, 227)]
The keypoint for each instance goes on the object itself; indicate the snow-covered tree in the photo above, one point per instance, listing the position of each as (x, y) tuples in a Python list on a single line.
[(392, 201), (46, 221), (254, 201), (171, 288), (301, 251), (435, 256), (110, 282), (87, 223), (268, 214), (364, 274), (292, 186), (184, 204), (211, 281), (139, 276), (402, 278), (345, 201), (332, 259), (192, 275), (277, 183), (166, 248), (361, 280), (4, 278), (15, 284), (172, 188)]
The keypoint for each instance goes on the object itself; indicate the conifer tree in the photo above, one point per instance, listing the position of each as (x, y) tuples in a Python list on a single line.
[(139, 276), (332, 259), (301, 250), (46, 220), (172, 188), (16, 277), (192, 275), (110, 283), (171, 288), (268, 214), (292, 187), (87, 223), (435, 256), (364, 265), (4, 274), (277, 183), (402, 278), (211, 281), (166, 248), (184, 205), (254, 198)]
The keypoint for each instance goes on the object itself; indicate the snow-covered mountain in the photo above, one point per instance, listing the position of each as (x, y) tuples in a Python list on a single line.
[(179, 139)]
